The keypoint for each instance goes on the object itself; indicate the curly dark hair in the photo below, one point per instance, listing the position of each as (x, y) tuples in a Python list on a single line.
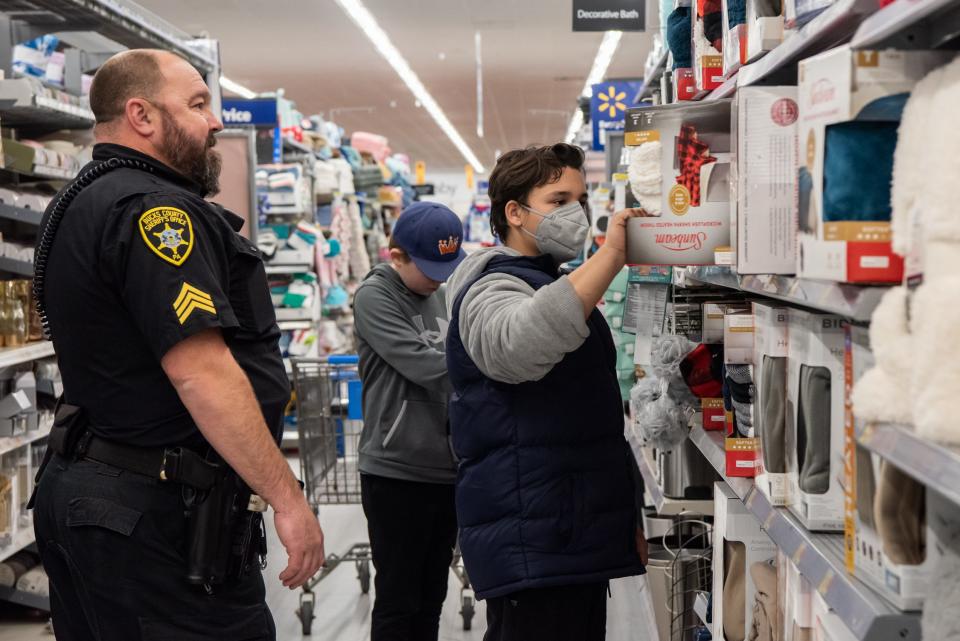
[(520, 171)]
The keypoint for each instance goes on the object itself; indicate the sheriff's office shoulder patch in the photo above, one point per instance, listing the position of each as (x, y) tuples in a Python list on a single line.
[(192, 300), (168, 232)]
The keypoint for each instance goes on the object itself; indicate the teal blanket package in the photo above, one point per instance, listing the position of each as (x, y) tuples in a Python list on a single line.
[(858, 162)]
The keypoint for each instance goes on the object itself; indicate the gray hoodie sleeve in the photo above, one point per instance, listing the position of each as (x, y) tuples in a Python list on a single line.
[(392, 336), (515, 334)]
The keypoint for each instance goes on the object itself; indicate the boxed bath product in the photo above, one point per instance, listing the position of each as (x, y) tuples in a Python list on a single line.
[(763, 207), (681, 163), (850, 107), (816, 419), (770, 352), (744, 566)]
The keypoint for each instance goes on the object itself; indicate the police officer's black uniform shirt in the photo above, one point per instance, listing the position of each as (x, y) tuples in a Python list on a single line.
[(140, 262)]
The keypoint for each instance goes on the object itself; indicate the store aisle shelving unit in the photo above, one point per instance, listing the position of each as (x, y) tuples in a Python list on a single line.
[(664, 505), (855, 302), (820, 557), (933, 464)]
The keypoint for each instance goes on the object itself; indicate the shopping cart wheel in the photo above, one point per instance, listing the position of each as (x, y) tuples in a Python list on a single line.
[(305, 613), (468, 608), (363, 573)]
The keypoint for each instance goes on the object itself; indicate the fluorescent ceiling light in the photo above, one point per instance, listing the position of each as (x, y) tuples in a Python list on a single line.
[(608, 47), (233, 87), (378, 37)]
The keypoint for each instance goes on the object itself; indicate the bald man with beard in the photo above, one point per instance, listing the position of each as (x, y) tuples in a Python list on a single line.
[(174, 386)]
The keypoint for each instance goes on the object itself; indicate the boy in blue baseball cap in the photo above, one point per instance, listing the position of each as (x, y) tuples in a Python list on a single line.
[(407, 468)]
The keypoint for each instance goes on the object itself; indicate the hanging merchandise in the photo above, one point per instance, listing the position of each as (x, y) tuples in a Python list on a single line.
[(657, 420)]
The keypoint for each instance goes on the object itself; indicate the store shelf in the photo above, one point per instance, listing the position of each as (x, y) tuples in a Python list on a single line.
[(832, 27), (909, 24), (301, 315), (11, 443), (23, 539), (288, 269), (725, 90), (297, 147), (290, 326), (26, 599), (652, 81), (855, 302), (123, 22), (13, 266), (21, 107), (819, 557), (10, 356), (665, 505), (21, 215), (933, 464)]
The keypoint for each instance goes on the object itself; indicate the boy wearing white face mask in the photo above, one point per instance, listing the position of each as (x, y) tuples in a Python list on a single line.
[(545, 496)]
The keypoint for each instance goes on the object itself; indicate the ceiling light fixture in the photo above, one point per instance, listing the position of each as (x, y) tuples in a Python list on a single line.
[(608, 47), (233, 87), (378, 37)]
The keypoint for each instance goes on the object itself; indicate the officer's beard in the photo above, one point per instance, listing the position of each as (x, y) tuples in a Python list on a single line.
[(197, 161)]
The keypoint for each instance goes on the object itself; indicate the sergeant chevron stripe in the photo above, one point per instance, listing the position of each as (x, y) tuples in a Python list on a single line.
[(191, 299)]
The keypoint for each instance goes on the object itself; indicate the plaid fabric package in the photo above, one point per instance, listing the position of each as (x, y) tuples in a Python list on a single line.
[(695, 176)]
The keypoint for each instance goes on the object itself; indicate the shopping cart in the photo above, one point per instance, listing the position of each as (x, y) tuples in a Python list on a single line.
[(329, 422)]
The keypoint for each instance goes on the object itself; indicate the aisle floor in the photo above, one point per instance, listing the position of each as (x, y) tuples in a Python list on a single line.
[(343, 613)]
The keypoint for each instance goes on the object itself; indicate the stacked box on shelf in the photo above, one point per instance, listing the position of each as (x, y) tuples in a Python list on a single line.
[(771, 346), (763, 207), (764, 28), (744, 564), (850, 106), (895, 556), (816, 419)]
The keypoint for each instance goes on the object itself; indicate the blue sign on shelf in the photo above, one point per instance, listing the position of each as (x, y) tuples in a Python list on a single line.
[(261, 112), (608, 108)]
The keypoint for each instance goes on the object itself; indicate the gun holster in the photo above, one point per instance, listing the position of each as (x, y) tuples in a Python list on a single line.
[(226, 539), (69, 424)]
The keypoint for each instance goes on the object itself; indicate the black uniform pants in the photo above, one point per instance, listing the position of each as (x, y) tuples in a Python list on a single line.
[(413, 529), (566, 613), (113, 545)]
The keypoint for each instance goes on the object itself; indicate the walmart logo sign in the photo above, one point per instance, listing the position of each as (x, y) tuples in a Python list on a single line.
[(608, 108), (611, 102)]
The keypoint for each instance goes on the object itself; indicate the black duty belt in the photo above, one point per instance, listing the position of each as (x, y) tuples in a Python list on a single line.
[(173, 464)]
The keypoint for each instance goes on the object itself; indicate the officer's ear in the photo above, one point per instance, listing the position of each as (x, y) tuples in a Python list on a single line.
[(142, 116)]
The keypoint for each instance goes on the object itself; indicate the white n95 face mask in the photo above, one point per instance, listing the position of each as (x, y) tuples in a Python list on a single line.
[(562, 232)]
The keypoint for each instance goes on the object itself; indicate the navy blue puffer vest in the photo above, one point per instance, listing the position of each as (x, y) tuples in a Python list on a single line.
[(544, 489)]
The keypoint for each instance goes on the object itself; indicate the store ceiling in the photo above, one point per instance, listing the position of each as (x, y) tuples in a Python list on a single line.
[(534, 66)]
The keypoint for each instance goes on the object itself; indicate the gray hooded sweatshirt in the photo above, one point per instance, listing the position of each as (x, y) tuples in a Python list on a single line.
[(512, 333), (401, 340)]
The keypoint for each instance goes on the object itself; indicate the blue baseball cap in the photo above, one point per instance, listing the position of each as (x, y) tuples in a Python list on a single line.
[(432, 235)]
